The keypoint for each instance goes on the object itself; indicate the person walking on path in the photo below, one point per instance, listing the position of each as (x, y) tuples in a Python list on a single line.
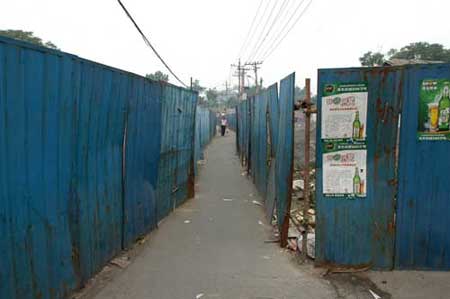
[(223, 125)]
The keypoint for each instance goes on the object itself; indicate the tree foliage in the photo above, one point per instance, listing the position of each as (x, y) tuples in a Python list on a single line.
[(28, 36), (158, 76), (418, 50), (372, 59)]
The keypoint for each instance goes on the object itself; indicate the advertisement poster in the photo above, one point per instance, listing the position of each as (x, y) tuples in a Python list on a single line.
[(434, 110), (344, 173), (344, 112)]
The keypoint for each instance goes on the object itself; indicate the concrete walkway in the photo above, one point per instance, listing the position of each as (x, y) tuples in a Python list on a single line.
[(214, 248)]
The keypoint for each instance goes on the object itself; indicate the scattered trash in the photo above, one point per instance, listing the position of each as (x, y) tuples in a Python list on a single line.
[(244, 173), (228, 199), (257, 203), (251, 195), (298, 184), (272, 241), (187, 221), (199, 296), (266, 257), (201, 162), (310, 245), (375, 296), (292, 244), (384, 282), (260, 222), (121, 262)]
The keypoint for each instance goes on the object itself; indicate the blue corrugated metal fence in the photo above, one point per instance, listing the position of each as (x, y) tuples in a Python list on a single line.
[(91, 158), (405, 208), (265, 136)]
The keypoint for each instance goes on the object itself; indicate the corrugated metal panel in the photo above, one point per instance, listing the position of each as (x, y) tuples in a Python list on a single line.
[(175, 180), (97, 187), (37, 128), (360, 232), (260, 143), (285, 151), (142, 151), (423, 238), (61, 140), (205, 129), (273, 136)]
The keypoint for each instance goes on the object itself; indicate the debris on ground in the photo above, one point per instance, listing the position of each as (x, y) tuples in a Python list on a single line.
[(298, 184), (375, 296), (228, 199), (244, 173), (187, 221), (121, 262), (260, 222), (310, 245), (199, 296), (201, 162), (257, 203)]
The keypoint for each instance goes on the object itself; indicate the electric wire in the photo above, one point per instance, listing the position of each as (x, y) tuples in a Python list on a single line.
[(272, 25), (149, 44), (290, 29)]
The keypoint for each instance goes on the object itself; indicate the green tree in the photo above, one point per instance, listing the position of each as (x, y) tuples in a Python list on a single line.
[(211, 97), (418, 50), (158, 76), (28, 36), (196, 86), (372, 59), (423, 51)]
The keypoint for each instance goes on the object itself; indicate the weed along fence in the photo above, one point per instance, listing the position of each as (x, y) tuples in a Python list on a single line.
[(382, 184), (265, 145), (92, 158)]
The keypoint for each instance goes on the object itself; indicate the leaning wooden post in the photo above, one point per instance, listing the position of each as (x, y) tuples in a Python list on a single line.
[(306, 168)]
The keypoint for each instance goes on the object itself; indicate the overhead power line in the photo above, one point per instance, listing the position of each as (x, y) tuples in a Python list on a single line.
[(149, 44), (290, 29), (250, 29), (280, 33), (255, 47), (274, 21)]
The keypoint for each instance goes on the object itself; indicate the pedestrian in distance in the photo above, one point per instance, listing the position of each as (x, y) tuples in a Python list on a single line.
[(223, 125)]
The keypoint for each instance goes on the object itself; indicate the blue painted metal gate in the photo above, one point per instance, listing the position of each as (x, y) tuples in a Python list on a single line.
[(407, 183), (423, 222)]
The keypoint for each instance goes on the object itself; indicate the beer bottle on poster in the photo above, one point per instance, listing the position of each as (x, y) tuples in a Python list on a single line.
[(444, 110), (356, 182), (356, 126)]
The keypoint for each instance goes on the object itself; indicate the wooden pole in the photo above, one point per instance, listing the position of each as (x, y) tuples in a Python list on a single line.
[(306, 190)]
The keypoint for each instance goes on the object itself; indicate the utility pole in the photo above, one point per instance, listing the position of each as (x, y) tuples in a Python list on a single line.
[(241, 69), (256, 67)]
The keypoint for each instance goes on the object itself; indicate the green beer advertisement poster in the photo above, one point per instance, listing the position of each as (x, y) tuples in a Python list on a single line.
[(343, 136), (344, 173), (344, 112), (434, 110)]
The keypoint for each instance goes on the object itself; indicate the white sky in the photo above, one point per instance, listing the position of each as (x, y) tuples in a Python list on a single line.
[(201, 38)]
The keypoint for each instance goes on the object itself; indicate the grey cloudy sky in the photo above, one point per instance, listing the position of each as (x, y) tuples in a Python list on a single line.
[(201, 38)]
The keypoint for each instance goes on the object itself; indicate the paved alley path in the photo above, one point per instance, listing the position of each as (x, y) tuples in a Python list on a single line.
[(221, 253)]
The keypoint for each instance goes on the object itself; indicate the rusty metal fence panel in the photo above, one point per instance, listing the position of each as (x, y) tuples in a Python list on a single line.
[(422, 237), (359, 231), (142, 139), (285, 153), (205, 129), (176, 166), (272, 94), (260, 143), (265, 144), (66, 183)]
